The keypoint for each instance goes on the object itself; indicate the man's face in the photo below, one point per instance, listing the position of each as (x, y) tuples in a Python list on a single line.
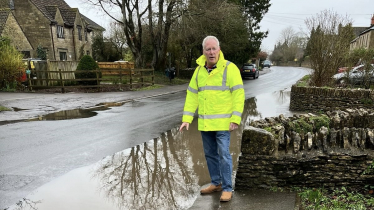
[(211, 52)]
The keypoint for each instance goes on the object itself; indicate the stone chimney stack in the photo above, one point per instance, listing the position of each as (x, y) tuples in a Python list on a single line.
[(372, 21)]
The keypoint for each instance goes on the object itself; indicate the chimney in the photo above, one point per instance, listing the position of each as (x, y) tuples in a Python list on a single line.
[(372, 21)]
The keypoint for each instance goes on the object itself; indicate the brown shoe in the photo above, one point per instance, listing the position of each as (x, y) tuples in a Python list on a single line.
[(212, 188), (226, 196)]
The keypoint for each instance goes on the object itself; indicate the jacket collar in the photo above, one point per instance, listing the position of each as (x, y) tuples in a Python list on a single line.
[(221, 60)]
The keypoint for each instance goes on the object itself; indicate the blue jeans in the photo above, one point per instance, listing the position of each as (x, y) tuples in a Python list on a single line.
[(217, 154)]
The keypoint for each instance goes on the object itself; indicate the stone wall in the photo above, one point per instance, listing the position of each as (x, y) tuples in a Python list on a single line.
[(329, 150), (316, 99)]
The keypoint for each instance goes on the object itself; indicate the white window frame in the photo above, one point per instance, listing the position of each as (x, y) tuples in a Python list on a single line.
[(60, 32)]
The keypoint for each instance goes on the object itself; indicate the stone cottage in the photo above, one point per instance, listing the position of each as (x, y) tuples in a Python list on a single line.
[(365, 39), (9, 27), (63, 32)]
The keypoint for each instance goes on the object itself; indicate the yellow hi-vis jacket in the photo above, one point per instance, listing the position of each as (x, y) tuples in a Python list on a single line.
[(218, 96)]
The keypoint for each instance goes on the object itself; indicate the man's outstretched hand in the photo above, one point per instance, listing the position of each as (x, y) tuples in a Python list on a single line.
[(233, 126), (184, 124)]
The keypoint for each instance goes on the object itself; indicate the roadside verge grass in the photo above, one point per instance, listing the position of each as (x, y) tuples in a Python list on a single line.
[(3, 108)]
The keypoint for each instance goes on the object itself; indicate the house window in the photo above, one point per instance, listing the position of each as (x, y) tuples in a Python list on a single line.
[(63, 56), (60, 31), (87, 52), (79, 32), (26, 54), (11, 4), (85, 35)]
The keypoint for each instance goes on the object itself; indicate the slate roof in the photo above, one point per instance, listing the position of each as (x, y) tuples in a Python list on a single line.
[(4, 13), (357, 30), (49, 8), (367, 30), (92, 24)]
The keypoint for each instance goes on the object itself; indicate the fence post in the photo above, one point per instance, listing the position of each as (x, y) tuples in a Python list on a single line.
[(120, 76), (48, 66), (97, 79), (62, 81), (153, 77), (141, 78), (130, 80), (29, 80)]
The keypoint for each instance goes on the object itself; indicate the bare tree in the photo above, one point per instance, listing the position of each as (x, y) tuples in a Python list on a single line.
[(159, 27), (330, 36), (132, 16)]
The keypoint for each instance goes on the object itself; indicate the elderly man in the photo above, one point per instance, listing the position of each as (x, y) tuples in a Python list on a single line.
[(216, 89)]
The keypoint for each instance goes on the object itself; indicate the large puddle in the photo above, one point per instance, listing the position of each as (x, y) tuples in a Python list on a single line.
[(163, 173)]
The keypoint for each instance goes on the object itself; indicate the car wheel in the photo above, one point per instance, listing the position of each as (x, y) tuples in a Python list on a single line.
[(343, 81)]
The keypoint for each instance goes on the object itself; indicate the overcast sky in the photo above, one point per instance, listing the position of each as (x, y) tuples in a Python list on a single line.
[(282, 14)]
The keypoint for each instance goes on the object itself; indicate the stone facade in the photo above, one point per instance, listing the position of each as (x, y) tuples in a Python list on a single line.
[(61, 31), (11, 28), (316, 99), (322, 151)]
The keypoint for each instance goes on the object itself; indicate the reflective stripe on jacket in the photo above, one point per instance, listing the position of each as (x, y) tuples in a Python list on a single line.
[(218, 96)]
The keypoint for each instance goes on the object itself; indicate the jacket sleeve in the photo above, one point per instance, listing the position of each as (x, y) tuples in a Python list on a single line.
[(192, 102), (237, 93)]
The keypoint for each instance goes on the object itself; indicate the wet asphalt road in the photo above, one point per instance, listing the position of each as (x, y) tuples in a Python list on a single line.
[(37, 152)]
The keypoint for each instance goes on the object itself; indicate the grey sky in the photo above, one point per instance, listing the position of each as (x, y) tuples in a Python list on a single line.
[(282, 14), (285, 13)]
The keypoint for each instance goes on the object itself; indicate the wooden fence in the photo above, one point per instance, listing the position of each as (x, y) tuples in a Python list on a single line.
[(63, 79), (111, 67)]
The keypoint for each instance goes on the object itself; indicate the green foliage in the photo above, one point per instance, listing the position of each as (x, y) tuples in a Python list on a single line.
[(11, 65), (328, 45), (87, 63), (319, 121), (2, 108), (367, 101), (41, 53), (312, 124), (303, 82), (337, 199), (227, 21), (254, 11), (104, 51), (301, 126)]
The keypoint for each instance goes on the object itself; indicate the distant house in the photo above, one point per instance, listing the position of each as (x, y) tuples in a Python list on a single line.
[(60, 30), (365, 38)]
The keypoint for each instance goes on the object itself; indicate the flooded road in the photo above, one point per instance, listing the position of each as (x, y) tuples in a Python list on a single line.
[(142, 168)]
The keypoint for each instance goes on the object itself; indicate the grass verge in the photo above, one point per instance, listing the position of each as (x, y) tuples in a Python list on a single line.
[(340, 198), (3, 108)]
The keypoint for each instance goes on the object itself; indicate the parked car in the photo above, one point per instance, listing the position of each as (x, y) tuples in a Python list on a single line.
[(249, 70), (355, 76), (267, 63)]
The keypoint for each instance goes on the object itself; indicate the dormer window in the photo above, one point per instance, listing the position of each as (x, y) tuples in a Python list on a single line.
[(60, 31), (79, 32), (11, 4)]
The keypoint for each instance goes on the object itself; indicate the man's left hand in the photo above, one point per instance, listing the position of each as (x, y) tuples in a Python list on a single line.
[(233, 126)]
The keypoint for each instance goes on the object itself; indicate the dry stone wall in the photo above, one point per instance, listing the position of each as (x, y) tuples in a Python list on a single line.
[(316, 99), (329, 150)]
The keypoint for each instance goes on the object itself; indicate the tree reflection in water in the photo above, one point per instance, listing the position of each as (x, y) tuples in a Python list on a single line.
[(155, 175), (166, 172)]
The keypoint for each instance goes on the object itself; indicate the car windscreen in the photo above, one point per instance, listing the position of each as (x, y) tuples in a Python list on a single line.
[(248, 67)]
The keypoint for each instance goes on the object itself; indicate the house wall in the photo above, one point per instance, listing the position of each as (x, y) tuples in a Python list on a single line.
[(13, 30), (35, 25), (65, 44), (82, 46), (364, 41)]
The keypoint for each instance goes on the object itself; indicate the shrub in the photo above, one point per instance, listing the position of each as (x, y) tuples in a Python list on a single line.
[(87, 63), (11, 64)]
